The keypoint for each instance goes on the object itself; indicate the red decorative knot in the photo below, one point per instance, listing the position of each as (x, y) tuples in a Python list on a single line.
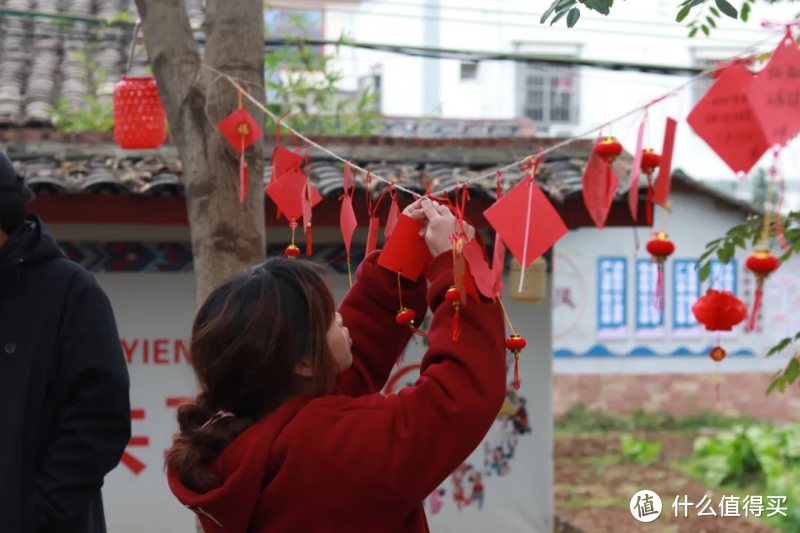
[(609, 149), (660, 247), (650, 161), (453, 296), (717, 353), (140, 122), (292, 251), (516, 344), (762, 263), (405, 316)]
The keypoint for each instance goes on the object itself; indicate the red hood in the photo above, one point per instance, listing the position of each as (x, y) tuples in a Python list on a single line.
[(242, 467)]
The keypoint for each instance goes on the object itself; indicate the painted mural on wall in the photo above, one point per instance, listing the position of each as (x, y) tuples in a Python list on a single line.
[(781, 303)]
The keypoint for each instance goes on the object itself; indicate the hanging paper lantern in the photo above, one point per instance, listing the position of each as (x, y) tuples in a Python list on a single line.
[(292, 251), (609, 149), (650, 162), (405, 316), (761, 263), (140, 122), (515, 344), (660, 248)]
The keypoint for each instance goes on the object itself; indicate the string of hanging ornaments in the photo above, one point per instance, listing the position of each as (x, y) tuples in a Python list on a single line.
[(722, 118)]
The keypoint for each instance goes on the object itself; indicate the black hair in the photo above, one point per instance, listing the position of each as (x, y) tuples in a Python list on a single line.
[(13, 207)]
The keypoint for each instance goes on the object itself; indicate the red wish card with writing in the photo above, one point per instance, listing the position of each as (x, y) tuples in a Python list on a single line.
[(391, 220), (724, 119), (525, 212), (597, 194), (774, 94), (664, 181), (287, 193), (636, 170), (406, 252), (241, 129), (347, 220)]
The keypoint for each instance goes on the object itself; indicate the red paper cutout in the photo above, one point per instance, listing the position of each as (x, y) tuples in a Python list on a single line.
[(347, 220), (391, 221), (636, 170), (498, 264), (724, 119), (406, 253), (348, 177), (240, 129), (597, 194), (468, 284), (306, 196), (507, 217), (664, 181), (774, 94), (475, 255), (284, 160), (287, 193), (372, 234)]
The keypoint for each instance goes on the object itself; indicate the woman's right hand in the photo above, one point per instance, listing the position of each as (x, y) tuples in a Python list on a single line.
[(441, 225)]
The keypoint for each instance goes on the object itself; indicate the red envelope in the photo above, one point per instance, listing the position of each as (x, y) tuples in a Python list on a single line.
[(636, 170), (724, 119), (664, 181), (283, 161), (774, 94), (372, 234), (475, 254), (508, 217), (406, 252), (287, 193), (597, 194), (347, 220)]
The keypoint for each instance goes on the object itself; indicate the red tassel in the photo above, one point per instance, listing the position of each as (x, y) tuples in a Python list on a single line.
[(751, 324), (456, 325), (649, 204), (308, 240), (243, 181), (658, 297), (515, 383), (608, 180)]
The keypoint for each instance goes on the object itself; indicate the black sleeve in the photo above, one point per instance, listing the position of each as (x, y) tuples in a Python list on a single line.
[(94, 417)]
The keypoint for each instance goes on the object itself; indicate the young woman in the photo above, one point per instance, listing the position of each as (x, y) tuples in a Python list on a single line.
[(291, 433)]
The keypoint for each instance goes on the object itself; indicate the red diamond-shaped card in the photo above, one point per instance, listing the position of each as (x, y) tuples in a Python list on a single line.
[(475, 254), (347, 220), (724, 119), (287, 193), (774, 94), (240, 129), (527, 221), (599, 186), (406, 252), (284, 160), (664, 181)]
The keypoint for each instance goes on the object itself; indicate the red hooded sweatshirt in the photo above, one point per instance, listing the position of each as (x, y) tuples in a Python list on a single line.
[(358, 461)]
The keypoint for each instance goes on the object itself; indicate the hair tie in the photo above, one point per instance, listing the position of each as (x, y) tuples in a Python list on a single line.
[(219, 416)]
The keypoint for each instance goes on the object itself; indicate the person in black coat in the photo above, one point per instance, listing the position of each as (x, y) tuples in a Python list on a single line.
[(64, 385)]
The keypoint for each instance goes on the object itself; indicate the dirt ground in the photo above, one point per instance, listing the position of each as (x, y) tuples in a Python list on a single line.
[(594, 488)]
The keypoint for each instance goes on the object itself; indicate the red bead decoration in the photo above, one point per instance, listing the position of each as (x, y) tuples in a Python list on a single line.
[(516, 344), (609, 148), (140, 122), (660, 247), (292, 251), (453, 296), (405, 316), (717, 353)]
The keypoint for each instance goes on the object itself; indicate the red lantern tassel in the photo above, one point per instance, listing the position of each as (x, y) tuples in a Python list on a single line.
[(658, 296), (515, 383), (308, 240), (649, 203), (608, 179), (456, 325), (243, 181), (751, 324)]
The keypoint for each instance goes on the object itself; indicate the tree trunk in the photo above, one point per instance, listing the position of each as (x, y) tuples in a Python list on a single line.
[(227, 237)]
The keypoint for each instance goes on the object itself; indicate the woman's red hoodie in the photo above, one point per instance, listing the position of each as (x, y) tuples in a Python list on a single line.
[(358, 461)]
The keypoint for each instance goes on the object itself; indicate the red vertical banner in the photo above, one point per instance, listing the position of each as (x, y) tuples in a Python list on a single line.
[(636, 170), (664, 181)]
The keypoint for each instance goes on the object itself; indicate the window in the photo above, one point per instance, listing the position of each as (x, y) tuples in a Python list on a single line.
[(549, 93), (723, 277), (701, 86), (611, 297), (372, 83), (685, 292), (281, 23), (649, 320), (469, 70)]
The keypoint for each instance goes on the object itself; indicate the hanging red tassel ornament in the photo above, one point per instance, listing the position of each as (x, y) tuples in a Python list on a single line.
[(292, 251), (761, 263), (241, 130), (660, 248), (515, 345), (650, 162), (453, 296), (609, 148), (717, 354), (406, 317)]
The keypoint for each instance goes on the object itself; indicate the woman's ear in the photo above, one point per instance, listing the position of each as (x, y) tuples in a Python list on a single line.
[(304, 369)]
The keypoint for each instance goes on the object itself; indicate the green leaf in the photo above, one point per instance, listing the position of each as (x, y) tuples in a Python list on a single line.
[(573, 16), (559, 16), (548, 12), (782, 385), (705, 270), (725, 254), (774, 384), (745, 13), (682, 14), (727, 8), (610, 3), (780, 346), (705, 29), (792, 370), (714, 11), (598, 5), (711, 22)]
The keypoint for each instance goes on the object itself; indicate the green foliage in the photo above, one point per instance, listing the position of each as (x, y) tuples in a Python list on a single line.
[(705, 12), (759, 459), (581, 420), (641, 452), (93, 113), (306, 82)]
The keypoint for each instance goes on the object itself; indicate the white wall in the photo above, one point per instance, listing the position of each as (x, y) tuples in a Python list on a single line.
[(644, 32)]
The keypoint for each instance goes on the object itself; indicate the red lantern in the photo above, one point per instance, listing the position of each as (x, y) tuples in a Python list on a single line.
[(650, 162), (140, 122), (660, 248), (609, 149), (717, 354), (405, 316), (515, 344), (761, 263)]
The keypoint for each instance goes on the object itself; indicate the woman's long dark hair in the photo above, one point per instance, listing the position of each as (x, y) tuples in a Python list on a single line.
[(247, 339)]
